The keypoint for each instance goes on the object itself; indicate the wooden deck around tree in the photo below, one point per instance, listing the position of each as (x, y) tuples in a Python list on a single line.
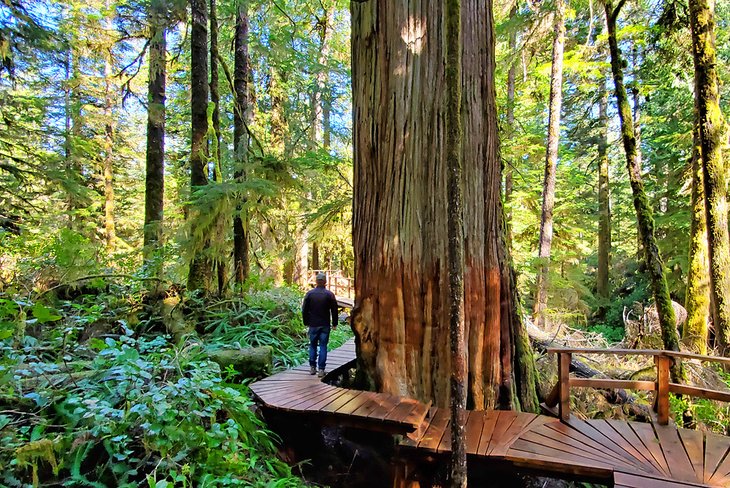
[(627, 454)]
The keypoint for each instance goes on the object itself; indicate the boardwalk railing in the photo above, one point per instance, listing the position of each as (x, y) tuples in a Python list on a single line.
[(662, 386), (341, 286)]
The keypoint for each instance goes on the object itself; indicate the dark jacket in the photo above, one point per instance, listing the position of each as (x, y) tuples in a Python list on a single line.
[(319, 306)]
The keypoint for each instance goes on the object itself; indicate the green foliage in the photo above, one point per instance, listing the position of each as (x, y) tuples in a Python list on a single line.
[(120, 409)]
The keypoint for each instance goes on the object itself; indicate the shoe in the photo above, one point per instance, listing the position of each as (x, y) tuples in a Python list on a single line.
[(320, 373), (312, 370)]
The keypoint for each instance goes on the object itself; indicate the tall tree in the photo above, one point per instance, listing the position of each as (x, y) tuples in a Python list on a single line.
[(199, 277), (454, 177), (654, 264), (155, 172), (697, 302), (511, 78), (714, 173), (400, 210), (604, 207), (108, 162), (551, 160), (240, 139)]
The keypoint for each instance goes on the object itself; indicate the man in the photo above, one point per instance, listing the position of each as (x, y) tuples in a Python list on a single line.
[(319, 307)]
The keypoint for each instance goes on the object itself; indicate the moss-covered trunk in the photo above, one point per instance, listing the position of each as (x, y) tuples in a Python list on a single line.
[(551, 161), (654, 265), (697, 303), (400, 214), (714, 173), (155, 163), (240, 140)]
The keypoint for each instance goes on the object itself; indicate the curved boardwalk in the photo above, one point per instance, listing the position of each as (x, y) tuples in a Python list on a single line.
[(625, 454)]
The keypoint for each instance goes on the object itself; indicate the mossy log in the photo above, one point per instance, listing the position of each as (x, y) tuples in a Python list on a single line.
[(247, 362)]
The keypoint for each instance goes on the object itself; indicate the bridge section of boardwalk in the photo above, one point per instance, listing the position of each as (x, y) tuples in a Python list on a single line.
[(625, 454)]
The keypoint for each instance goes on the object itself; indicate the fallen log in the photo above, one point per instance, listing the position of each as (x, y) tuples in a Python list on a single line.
[(248, 362)]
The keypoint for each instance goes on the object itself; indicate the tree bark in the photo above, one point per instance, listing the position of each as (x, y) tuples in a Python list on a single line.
[(200, 275), (654, 264), (551, 160), (240, 140), (508, 170), (455, 219), (714, 174), (604, 210), (155, 161), (400, 211), (697, 303)]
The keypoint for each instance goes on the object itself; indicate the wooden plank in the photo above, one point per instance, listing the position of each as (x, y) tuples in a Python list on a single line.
[(326, 401), (612, 384), (402, 410), (716, 448), (490, 422), (564, 359), (340, 401), (435, 431), (604, 435), (559, 446), (316, 391), (722, 396), (350, 407), (662, 389), (578, 439), (631, 443), (671, 444), (389, 402), (520, 425), (273, 398), (506, 418), (418, 414), (560, 466), (473, 430), (722, 472), (693, 442), (312, 403), (646, 434), (375, 403), (552, 399), (640, 352), (445, 444), (632, 480)]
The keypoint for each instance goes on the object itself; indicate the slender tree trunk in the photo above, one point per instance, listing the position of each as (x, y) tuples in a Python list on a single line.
[(454, 173), (200, 275), (400, 210), (654, 265), (511, 75), (551, 160), (240, 140), (155, 172), (315, 256), (714, 173), (109, 225), (697, 303), (604, 209)]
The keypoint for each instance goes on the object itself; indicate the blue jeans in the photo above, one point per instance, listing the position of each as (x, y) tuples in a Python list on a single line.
[(318, 336)]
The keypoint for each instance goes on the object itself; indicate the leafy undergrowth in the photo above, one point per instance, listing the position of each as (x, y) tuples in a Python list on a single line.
[(87, 399)]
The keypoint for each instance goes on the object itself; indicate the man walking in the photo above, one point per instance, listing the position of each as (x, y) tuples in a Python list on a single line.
[(320, 305)]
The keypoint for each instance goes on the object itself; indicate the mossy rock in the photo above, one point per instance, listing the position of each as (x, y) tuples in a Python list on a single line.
[(251, 362)]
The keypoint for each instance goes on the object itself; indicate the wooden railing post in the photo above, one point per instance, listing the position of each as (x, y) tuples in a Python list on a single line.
[(662, 388), (564, 359)]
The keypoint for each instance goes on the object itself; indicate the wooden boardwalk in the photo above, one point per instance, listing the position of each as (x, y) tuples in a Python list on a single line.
[(625, 454)]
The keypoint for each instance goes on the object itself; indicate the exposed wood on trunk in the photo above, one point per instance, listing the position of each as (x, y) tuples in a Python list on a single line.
[(654, 264), (714, 173), (400, 212), (551, 161), (695, 331), (604, 210), (200, 275), (241, 140), (155, 160)]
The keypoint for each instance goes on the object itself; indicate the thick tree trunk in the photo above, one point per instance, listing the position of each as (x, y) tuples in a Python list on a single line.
[(400, 212), (200, 275), (654, 265), (455, 219), (714, 174), (155, 163), (697, 303), (551, 160), (508, 170), (240, 140), (604, 210)]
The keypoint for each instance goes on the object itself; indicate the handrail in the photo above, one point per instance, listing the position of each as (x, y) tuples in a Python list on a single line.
[(560, 394)]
